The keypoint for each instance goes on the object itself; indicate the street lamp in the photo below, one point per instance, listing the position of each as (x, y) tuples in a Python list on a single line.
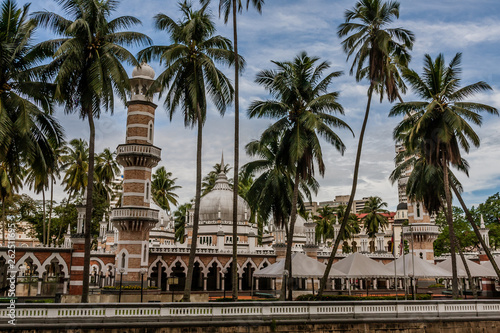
[(285, 274), (122, 270), (143, 271), (224, 272)]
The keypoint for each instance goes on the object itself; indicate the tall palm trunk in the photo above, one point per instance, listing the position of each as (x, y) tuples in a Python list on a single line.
[(194, 239), (324, 279), (44, 234), (289, 240), (234, 273), (51, 206), (88, 209), (476, 229), (462, 257), (449, 220)]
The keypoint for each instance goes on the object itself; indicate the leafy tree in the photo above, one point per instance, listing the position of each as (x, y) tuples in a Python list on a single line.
[(463, 231), (190, 76), (441, 123), (88, 71), (352, 228), (303, 111), (324, 220), (162, 189), (374, 47), (374, 218), (180, 216), (225, 7)]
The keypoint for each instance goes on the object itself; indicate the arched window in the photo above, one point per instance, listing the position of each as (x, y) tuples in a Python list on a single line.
[(144, 255), (418, 210), (147, 192), (124, 258), (150, 135)]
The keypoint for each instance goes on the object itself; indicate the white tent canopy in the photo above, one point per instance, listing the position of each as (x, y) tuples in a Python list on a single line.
[(419, 269), (302, 267), (476, 270), (489, 266), (357, 265)]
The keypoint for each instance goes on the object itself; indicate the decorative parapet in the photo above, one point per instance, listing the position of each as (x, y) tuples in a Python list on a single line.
[(421, 229), (134, 214), (138, 155)]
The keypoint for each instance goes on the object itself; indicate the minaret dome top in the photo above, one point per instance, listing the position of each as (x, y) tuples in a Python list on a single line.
[(144, 71)]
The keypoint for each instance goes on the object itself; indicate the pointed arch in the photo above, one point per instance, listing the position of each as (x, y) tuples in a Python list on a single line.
[(155, 262), (265, 261), (61, 262), (249, 260), (35, 261), (214, 260), (178, 259)]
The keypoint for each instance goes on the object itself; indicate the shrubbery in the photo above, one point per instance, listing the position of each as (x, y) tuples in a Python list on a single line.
[(127, 288)]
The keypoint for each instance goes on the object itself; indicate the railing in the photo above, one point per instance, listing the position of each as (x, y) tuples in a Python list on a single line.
[(192, 313), (211, 250), (138, 149), (134, 213), (426, 228)]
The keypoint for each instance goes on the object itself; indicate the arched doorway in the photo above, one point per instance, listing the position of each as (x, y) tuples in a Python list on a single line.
[(159, 280), (265, 283), (246, 283), (228, 281), (213, 277), (197, 282), (179, 272)]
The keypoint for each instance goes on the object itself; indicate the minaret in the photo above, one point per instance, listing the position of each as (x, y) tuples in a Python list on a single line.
[(134, 219)]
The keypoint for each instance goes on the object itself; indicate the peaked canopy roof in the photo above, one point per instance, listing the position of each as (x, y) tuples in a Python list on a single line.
[(302, 267), (489, 266), (419, 269), (476, 270), (357, 265)]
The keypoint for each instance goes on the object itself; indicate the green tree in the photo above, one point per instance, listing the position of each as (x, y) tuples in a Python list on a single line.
[(106, 171), (371, 42), (352, 228), (303, 109), (76, 167), (88, 71), (26, 125), (190, 76), (225, 7), (162, 189), (441, 123), (324, 220), (180, 216), (374, 218), (209, 180)]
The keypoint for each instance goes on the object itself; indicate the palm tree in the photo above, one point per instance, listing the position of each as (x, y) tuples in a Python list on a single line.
[(303, 110), (76, 167), (27, 127), (180, 216), (38, 180), (225, 7), (106, 171), (55, 172), (190, 74), (352, 228), (88, 71), (374, 218), (162, 189), (209, 180), (324, 223), (374, 46), (440, 123)]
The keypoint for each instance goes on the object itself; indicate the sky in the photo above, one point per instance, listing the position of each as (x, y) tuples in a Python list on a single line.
[(283, 30)]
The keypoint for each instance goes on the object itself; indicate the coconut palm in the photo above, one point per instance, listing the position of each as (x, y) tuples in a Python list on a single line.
[(106, 171), (374, 46), (162, 189), (27, 128), (76, 167), (225, 8), (209, 180), (324, 219), (38, 180), (88, 71), (352, 228), (374, 218), (180, 216), (440, 123), (190, 75), (303, 109), (55, 172)]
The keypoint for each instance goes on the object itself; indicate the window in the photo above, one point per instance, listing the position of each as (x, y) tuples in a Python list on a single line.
[(418, 210), (124, 257), (150, 132), (146, 195), (145, 253)]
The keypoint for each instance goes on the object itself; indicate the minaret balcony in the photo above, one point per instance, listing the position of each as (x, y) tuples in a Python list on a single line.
[(421, 229), (138, 155), (133, 214)]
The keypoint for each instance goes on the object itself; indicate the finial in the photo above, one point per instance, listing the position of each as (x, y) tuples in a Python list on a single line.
[(68, 232), (482, 222), (336, 219)]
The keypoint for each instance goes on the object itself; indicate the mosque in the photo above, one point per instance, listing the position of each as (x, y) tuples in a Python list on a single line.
[(137, 243)]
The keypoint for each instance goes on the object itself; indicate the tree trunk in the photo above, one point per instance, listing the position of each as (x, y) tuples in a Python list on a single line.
[(51, 205), (462, 257), (476, 229), (449, 220), (289, 238), (324, 279), (234, 275), (88, 209), (44, 233), (194, 239)]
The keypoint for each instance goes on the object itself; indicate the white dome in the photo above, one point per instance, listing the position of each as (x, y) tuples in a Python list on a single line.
[(218, 203), (299, 227), (145, 71)]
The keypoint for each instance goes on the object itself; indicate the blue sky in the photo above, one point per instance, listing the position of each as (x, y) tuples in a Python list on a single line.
[(287, 27)]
